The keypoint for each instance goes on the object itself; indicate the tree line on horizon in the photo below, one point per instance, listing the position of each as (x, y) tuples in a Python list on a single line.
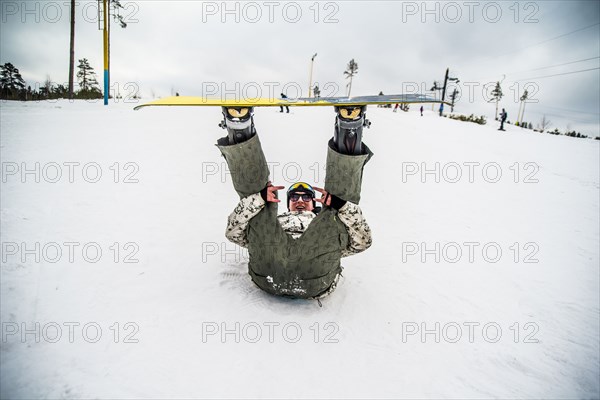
[(13, 86)]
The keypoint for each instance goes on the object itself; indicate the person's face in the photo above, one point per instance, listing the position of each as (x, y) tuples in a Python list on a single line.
[(301, 204)]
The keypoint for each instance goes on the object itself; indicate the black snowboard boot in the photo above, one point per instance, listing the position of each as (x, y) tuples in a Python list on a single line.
[(239, 122), (349, 124)]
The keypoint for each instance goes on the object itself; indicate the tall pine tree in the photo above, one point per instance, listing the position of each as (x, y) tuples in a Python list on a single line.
[(87, 80), (11, 81), (496, 96)]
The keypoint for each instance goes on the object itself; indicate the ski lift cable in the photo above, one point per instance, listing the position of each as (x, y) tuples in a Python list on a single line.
[(570, 118), (563, 35), (565, 109), (495, 78), (553, 66), (564, 73), (544, 41)]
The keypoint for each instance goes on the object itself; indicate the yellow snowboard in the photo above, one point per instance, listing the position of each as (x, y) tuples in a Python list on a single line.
[(191, 101)]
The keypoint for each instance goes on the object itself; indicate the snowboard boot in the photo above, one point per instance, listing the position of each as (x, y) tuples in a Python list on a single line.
[(349, 123), (239, 122)]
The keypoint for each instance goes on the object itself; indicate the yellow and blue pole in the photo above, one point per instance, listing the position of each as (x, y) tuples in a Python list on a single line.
[(105, 34)]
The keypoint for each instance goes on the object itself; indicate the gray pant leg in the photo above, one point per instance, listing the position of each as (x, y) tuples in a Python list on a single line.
[(344, 173), (247, 165)]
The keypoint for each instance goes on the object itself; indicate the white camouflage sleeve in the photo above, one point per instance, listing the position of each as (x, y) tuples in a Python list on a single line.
[(238, 220), (358, 229)]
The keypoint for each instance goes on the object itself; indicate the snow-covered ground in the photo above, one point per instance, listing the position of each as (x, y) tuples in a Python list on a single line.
[(482, 281)]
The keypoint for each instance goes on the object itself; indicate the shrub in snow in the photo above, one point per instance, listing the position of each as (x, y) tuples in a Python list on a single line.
[(471, 118)]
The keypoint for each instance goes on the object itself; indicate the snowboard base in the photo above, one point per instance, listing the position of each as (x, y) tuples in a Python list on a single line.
[(190, 101)]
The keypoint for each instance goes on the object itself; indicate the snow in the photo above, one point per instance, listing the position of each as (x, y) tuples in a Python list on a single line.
[(190, 322)]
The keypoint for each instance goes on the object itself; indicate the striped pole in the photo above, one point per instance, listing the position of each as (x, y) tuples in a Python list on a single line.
[(105, 35)]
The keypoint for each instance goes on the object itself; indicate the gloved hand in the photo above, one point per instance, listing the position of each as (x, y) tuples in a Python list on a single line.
[(329, 199), (269, 193)]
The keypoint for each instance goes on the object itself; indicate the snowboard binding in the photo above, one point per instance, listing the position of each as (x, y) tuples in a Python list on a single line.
[(349, 124), (239, 122)]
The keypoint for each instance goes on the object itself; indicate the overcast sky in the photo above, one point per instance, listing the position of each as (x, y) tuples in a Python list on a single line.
[(197, 48)]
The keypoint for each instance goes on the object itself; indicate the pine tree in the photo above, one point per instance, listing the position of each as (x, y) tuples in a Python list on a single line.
[(116, 4), (351, 70), (59, 92), (113, 10), (453, 98), (87, 79), (497, 95), (11, 81)]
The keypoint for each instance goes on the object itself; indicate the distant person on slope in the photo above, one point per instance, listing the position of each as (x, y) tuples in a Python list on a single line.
[(283, 96), (421, 111), (297, 254), (503, 116)]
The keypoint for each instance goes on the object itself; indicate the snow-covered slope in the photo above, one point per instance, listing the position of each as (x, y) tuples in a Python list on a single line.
[(482, 281)]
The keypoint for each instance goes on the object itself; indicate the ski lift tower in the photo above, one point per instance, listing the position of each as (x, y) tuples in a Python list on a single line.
[(103, 18), (446, 79), (312, 62)]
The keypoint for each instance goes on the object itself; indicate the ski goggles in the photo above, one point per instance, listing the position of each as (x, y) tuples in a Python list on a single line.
[(300, 186), (297, 196)]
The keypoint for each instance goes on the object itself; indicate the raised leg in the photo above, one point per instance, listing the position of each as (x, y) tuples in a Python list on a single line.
[(347, 155), (349, 124), (243, 152)]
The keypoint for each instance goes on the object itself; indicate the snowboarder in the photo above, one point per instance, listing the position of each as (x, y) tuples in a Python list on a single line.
[(297, 254), (503, 116), (283, 96), (421, 111)]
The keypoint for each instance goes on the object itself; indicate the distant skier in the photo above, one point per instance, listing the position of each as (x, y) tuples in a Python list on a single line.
[(297, 254), (421, 109), (283, 96), (382, 105), (395, 108), (316, 91), (503, 116)]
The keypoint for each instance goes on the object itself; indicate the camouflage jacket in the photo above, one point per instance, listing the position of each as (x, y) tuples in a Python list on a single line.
[(296, 222)]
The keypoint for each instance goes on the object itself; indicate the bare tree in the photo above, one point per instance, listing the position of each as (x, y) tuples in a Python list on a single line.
[(351, 70), (544, 123), (46, 90)]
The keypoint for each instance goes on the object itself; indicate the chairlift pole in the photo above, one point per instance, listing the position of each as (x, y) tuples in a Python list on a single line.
[(312, 62), (105, 37)]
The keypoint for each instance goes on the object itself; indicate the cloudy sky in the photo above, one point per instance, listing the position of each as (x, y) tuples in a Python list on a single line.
[(551, 48)]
